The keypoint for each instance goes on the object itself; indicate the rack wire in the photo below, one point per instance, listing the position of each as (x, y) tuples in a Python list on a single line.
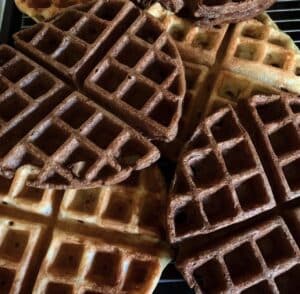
[(286, 13)]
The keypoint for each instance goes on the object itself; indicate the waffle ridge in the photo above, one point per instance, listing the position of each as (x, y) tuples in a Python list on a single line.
[(219, 169), (90, 44)]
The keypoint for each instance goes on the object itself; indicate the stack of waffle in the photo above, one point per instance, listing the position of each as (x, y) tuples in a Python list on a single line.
[(84, 105)]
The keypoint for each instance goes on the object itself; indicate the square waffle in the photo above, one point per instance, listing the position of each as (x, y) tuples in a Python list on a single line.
[(247, 262), (42, 252), (58, 131), (273, 124), (219, 179), (121, 56)]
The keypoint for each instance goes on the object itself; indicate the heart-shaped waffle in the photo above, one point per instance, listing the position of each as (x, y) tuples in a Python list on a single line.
[(119, 55)]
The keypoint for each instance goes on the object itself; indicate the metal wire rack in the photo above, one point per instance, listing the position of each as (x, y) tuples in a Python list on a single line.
[(286, 13)]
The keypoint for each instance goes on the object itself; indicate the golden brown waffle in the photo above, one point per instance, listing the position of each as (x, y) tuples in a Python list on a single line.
[(172, 5), (263, 53), (72, 140), (17, 194), (40, 249), (219, 179), (81, 264), (41, 10), (136, 206), (230, 87), (263, 259), (20, 242), (195, 44), (119, 55), (273, 124)]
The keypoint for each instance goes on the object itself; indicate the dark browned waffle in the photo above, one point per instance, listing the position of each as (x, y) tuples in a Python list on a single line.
[(273, 124), (208, 12), (219, 179), (73, 141), (221, 187), (120, 55), (262, 259)]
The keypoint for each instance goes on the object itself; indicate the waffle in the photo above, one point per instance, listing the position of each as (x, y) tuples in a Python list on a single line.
[(121, 56), (262, 259), (273, 123), (219, 180), (41, 10), (58, 132), (230, 87), (194, 102), (136, 206), (263, 53), (205, 64), (195, 44), (208, 13), (292, 217), (172, 5), (16, 194), (20, 243), (86, 264), (43, 251)]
